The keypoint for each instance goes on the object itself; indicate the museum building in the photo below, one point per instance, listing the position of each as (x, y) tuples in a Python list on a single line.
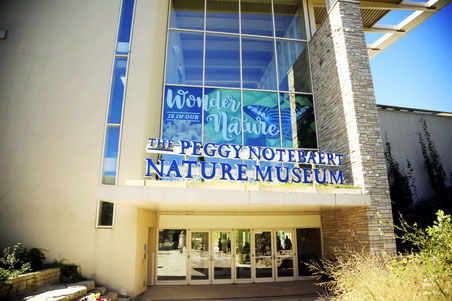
[(271, 100)]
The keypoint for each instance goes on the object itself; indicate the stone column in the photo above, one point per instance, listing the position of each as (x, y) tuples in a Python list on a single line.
[(347, 123)]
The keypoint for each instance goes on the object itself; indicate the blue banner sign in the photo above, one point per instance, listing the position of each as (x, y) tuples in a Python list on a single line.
[(217, 161)]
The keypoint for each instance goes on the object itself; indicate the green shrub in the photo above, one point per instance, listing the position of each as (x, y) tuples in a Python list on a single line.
[(69, 272), (11, 265), (34, 256), (423, 274)]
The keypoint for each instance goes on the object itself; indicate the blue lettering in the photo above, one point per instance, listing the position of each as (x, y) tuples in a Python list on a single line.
[(226, 153), (272, 154), (337, 178), (203, 170), (206, 148), (311, 157), (174, 168), (330, 158), (301, 156), (183, 146), (268, 172), (189, 170), (278, 174), (296, 175), (237, 149), (226, 170), (151, 163), (281, 152), (307, 172), (316, 175), (253, 151), (241, 171), (321, 158), (196, 148)]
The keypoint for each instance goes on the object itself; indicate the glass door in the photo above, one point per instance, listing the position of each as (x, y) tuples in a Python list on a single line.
[(263, 256), (199, 257), (243, 255), (222, 256), (284, 255)]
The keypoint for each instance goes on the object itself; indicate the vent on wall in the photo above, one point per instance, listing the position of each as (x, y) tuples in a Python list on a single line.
[(2, 34)]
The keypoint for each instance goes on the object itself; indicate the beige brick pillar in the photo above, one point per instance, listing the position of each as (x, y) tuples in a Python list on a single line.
[(348, 124)]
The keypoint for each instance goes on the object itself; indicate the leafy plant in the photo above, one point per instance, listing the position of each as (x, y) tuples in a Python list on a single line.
[(423, 274), (69, 272), (10, 264), (35, 256)]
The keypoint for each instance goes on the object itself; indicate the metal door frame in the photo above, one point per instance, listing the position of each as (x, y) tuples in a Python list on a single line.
[(189, 250), (294, 252), (253, 274), (212, 266)]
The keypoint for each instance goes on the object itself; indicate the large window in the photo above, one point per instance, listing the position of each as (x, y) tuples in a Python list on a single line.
[(117, 95), (237, 71)]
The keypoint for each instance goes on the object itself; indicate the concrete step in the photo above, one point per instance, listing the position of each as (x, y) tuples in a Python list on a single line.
[(110, 296), (63, 292), (89, 284), (85, 297), (100, 289)]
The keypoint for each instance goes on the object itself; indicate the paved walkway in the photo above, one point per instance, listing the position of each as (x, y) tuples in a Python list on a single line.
[(305, 290)]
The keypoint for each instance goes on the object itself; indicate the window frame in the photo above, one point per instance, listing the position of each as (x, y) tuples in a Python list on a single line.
[(308, 35), (98, 216)]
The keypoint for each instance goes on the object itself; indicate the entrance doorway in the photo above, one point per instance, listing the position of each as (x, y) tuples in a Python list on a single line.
[(211, 256), (226, 256), (274, 255)]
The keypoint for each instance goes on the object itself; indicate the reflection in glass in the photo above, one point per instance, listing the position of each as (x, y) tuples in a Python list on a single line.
[(289, 20), (284, 253), (172, 258), (261, 119), (184, 58), (105, 213), (222, 116), (182, 113), (293, 66), (199, 256), (309, 247), (117, 90), (297, 121), (222, 16), (243, 254), (110, 155), (222, 61), (258, 63), (263, 248), (222, 259), (187, 14), (257, 17), (125, 25)]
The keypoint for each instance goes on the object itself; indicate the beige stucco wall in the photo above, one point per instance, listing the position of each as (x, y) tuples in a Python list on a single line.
[(147, 222), (56, 67), (252, 220)]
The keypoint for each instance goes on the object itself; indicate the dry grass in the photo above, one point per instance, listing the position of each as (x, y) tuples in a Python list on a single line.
[(422, 275)]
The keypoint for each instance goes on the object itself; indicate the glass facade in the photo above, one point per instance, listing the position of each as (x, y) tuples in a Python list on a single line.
[(235, 255), (237, 72)]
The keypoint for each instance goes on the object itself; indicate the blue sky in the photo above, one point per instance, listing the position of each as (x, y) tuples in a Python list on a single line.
[(416, 71)]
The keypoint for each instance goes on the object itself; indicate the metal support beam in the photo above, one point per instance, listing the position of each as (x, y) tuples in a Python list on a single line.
[(406, 25), (383, 29), (404, 5)]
